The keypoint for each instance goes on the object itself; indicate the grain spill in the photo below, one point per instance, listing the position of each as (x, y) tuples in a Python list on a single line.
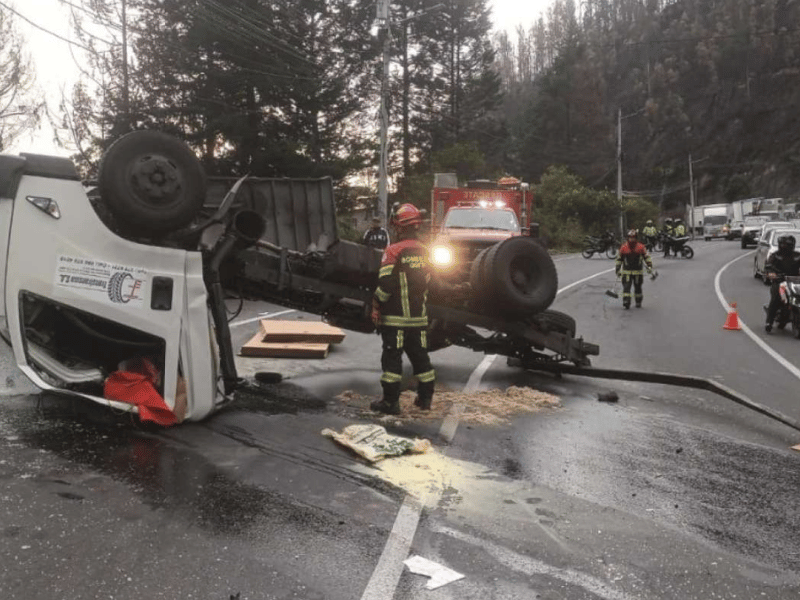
[(488, 407)]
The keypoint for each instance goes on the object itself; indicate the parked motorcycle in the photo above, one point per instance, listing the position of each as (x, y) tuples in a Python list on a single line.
[(605, 243), (655, 242), (678, 245), (789, 292)]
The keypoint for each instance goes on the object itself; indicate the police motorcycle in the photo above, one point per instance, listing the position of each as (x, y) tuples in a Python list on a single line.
[(789, 293), (605, 243), (679, 246), (655, 243)]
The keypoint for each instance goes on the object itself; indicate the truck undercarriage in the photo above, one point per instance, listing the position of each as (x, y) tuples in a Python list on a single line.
[(141, 271)]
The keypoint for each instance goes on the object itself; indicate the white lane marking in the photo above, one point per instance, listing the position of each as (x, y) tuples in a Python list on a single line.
[(761, 343), (266, 315), (585, 279), (530, 566), (383, 582)]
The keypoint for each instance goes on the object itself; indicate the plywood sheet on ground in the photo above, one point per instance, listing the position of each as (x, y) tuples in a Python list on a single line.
[(300, 331), (257, 347)]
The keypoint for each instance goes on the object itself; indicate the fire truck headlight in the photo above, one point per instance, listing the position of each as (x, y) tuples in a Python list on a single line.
[(442, 256), (499, 204), (483, 204)]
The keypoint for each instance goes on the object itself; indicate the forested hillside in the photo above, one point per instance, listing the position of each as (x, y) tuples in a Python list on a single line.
[(278, 87), (715, 79)]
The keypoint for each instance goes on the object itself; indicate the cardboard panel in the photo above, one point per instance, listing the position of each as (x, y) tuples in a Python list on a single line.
[(315, 332)]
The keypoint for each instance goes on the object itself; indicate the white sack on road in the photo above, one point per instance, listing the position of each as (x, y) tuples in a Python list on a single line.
[(373, 443)]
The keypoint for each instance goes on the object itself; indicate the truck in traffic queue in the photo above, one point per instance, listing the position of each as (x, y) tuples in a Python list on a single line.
[(466, 220), (716, 220), (118, 298)]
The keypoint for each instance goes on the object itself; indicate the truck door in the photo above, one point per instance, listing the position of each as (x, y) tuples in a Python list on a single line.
[(78, 297)]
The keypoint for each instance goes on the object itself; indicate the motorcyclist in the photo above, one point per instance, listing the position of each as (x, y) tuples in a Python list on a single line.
[(650, 232), (630, 263), (398, 309), (785, 261), (678, 229), (669, 231)]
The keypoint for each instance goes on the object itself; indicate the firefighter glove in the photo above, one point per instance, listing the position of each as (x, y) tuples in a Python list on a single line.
[(376, 312)]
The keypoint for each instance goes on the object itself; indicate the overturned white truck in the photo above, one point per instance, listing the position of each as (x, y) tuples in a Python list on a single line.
[(139, 272)]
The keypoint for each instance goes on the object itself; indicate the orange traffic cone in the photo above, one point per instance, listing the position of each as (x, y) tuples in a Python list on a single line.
[(732, 322)]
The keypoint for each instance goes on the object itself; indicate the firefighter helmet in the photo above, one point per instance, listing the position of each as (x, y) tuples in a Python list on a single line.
[(668, 220), (632, 233), (649, 221), (407, 215)]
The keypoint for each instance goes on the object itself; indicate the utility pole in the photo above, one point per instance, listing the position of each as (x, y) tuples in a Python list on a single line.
[(619, 174), (126, 99), (383, 26), (691, 197)]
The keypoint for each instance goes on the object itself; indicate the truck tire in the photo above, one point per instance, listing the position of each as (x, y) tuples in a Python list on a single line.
[(476, 270), (520, 277), (553, 320), (151, 182)]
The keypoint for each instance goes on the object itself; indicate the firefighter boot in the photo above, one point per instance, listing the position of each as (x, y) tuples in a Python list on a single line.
[(424, 396), (390, 404)]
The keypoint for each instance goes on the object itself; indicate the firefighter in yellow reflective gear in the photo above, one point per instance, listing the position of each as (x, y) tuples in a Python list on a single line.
[(649, 232), (399, 311), (631, 261), (679, 228)]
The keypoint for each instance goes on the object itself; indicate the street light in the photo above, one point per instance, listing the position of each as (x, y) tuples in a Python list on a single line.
[(691, 192)]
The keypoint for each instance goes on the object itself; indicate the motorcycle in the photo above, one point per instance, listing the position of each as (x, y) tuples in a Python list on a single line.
[(789, 293), (679, 245), (605, 243), (655, 242)]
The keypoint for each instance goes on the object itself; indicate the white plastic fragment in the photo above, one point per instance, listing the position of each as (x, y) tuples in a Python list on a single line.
[(439, 574)]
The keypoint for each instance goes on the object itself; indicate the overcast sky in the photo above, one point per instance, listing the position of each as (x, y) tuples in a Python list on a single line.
[(56, 69)]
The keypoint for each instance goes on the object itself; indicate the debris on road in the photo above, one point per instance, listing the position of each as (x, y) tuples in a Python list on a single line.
[(439, 574), (607, 397), (373, 443), (488, 407), (292, 339)]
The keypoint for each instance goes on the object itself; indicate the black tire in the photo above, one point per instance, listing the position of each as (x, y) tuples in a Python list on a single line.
[(475, 271), (659, 246), (687, 252), (553, 320), (520, 276), (151, 182), (796, 324), (611, 252), (587, 253)]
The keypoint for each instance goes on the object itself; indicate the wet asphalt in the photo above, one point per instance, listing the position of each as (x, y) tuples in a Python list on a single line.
[(667, 493)]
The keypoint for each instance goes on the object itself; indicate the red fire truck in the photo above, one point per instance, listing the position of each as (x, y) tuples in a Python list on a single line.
[(467, 220)]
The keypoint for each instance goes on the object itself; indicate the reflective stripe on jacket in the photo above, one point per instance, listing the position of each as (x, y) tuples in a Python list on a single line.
[(631, 261), (403, 285)]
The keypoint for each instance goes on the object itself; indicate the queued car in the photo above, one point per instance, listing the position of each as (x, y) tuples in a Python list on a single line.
[(751, 228), (768, 245)]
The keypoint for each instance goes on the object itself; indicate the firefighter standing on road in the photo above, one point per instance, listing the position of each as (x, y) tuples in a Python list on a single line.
[(376, 236), (631, 260), (399, 311)]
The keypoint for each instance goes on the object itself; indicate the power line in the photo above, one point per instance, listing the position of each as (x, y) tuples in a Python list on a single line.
[(47, 31)]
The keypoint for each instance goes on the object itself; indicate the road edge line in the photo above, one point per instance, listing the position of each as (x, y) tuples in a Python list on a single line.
[(759, 342)]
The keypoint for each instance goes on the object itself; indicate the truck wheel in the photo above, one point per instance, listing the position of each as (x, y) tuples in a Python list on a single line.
[(520, 276), (476, 270), (553, 320), (151, 182)]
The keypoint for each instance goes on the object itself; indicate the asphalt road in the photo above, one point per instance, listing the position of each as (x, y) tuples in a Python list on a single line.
[(668, 493)]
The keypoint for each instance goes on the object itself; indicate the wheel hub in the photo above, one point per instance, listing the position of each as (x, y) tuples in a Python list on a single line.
[(156, 180)]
